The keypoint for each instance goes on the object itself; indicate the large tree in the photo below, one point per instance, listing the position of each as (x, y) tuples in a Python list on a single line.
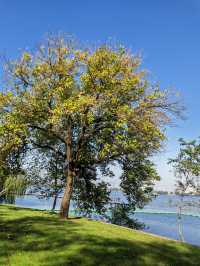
[(91, 107)]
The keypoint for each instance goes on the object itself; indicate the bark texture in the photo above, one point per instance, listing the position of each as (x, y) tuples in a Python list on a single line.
[(70, 173)]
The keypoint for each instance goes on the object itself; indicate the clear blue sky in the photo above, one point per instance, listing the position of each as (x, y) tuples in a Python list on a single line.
[(167, 33)]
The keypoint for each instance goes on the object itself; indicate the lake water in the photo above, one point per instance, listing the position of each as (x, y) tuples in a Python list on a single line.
[(159, 216)]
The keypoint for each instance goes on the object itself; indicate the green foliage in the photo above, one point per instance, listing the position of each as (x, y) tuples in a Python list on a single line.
[(90, 194), (12, 187), (88, 107), (122, 214), (138, 179), (187, 166), (13, 180), (46, 174)]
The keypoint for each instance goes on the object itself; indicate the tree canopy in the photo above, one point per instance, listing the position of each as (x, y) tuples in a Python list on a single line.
[(187, 166), (90, 108)]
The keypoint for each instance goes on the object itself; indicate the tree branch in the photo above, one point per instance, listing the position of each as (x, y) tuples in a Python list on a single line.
[(48, 147), (45, 130)]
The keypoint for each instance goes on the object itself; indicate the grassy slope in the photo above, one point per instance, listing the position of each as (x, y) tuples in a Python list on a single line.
[(30, 237)]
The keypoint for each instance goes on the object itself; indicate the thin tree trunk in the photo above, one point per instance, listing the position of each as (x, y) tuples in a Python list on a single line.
[(65, 203), (54, 202), (3, 192), (55, 185), (180, 225)]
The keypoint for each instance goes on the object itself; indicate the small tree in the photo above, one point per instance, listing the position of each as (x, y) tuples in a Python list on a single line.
[(187, 171), (13, 179), (46, 175), (187, 167), (95, 105)]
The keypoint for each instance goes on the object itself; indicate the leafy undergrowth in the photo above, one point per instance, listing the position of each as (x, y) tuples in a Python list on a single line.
[(31, 237)]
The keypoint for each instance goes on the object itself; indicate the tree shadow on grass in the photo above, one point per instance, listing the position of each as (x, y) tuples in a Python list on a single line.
[(118, 252), (70, 243)]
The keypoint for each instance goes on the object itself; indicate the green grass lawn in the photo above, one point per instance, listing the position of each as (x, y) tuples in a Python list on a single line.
[(30, 237)]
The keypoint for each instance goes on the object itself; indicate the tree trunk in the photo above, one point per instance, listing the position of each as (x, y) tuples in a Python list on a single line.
[(65, 203), (54, 202), (3, 192)]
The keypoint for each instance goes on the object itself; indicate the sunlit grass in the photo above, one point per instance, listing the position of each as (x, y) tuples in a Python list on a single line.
[(30, 237)]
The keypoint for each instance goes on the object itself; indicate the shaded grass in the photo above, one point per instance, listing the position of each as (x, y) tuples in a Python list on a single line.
[(31, 237)]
